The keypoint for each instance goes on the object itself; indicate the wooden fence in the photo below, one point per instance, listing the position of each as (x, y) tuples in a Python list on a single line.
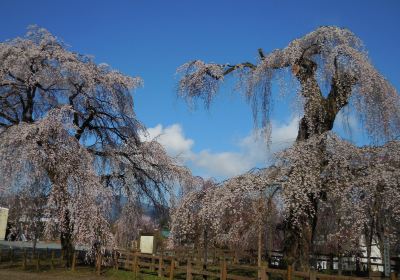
[(171, 265), (348, 263), (174, 267), (38, 259)]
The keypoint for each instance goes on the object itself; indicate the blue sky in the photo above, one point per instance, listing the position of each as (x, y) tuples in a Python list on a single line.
[(152, 38)]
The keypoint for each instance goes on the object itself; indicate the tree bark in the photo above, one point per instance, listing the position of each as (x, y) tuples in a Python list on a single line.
[(66, 241), (319, 116), (368, 242), (269, 232), (205, 252), (259, 250), (66, 228)]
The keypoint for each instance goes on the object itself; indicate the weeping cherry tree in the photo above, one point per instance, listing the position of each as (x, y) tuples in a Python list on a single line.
[(329, 57)]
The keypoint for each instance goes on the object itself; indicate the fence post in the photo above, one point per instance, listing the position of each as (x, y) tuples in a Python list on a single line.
[(152, 263), (62, 257), (52, 260), (198, 258), (189, 275), (171, 270), (10, 253), (263, 272), (73, 261), (116, 260), (127, 261), (313, 275), (24, 260), (223, 272), (236, 257), (135, 264), (160, 266), (38, 262), (289, 272), (134, 259), (114, 257), (215, 256), (98, 268)]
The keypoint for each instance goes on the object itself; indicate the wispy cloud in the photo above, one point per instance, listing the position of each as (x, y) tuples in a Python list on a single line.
[(173, 139)]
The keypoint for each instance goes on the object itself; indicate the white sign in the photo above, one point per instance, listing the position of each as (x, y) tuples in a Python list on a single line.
[(3, 222), (147, 244)]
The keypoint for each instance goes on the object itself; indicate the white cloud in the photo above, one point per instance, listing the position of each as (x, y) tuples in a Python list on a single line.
[(224, 164), (251, 150), (283, 136), (173, 139)]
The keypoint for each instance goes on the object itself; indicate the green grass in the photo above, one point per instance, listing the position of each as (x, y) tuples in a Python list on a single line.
[(128, 275)]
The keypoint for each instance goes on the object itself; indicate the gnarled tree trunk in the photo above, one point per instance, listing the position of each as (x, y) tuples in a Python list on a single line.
[(319, 116), (65, 227), (66, 241)]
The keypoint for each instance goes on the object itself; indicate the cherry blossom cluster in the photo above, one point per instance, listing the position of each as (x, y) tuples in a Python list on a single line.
[(77, 201), (325, 176), (231, 211), (70, 123), (329, 55)]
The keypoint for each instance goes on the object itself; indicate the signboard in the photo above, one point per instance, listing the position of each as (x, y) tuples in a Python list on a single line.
[(147, 244), (3, 222)]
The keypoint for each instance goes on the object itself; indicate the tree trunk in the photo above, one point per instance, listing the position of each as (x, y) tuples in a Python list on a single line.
[(34, 242), (205, 252), (369, 259), (340, 264), (269, 242), (269, 233), (368, 243), (66, 241), (331, 262), (319, 116), (66, 229), (318, 126), (259, 248)]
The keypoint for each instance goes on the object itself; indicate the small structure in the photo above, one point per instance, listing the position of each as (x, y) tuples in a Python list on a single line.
[(147, 245), (3, 222)]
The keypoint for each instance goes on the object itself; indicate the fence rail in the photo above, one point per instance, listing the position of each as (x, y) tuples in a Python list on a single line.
[(38, 259), (182, 265), (169, 265)]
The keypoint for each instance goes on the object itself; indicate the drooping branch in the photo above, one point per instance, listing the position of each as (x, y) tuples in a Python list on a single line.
[(342, 61), (72, 122)]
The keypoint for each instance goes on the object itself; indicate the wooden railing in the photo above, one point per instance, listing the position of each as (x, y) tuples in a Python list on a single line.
[(37, 259), (168, 266)]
